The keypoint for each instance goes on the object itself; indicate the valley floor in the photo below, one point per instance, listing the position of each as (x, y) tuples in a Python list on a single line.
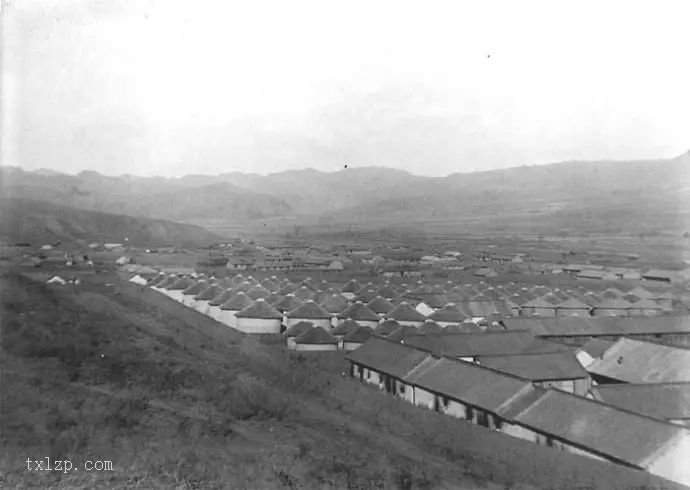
[(109, 371)]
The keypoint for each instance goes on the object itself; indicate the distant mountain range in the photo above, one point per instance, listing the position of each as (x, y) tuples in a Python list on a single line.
[(570, 196)]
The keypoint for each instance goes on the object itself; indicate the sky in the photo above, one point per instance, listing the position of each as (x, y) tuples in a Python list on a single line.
[(165, 87)]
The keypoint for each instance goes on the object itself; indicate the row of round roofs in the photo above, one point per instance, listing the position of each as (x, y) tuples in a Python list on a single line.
[(369, 304)]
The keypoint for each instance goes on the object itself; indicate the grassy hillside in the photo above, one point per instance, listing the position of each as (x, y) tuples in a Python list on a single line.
[(176, 400), (40, 222)]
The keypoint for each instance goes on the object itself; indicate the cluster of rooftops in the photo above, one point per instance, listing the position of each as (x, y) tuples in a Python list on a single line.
[(470, 300), (470, 351), (466, 377)]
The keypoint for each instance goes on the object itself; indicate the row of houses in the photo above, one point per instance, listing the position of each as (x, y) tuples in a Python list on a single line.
[(590, 271), (419, 305), (671, 330), (489, 397), (347, 336)]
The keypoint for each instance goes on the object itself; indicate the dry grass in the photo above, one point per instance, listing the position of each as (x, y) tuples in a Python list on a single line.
[(176, 400)]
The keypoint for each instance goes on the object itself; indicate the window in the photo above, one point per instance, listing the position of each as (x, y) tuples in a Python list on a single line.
[(446, 401), (402, 388)]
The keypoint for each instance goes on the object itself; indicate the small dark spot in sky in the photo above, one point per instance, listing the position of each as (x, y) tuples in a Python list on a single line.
[(345, 166), (488, 56)]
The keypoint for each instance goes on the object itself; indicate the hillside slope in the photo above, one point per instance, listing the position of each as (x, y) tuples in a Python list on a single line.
[(23, 220), (176, 400)]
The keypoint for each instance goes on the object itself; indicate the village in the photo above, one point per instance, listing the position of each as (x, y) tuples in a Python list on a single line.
[(595, 364)]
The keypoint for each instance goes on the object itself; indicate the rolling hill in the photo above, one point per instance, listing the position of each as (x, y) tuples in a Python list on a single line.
[(25, 220)]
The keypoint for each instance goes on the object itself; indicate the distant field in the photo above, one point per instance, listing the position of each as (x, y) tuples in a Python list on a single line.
[(105, 370)]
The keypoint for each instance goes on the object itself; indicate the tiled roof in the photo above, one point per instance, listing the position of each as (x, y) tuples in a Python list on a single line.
[(405, 312), (604, 429), (289, 302), (360, 334), (430, 326), (260, 309), (584, 326), (386, 327), (237, 302), (634, 361), (665, 401), (477, 344), (402, 332), (472, 384), (316, 335), (387, 357), (222, 297), (335, 303), (380, 305), (298, 328), (538, 367), (360, 312), (209, 293), (345, 327), (195, 288), (257, 292), (181, 284), (310, 311), (303, 292), (449, 313)]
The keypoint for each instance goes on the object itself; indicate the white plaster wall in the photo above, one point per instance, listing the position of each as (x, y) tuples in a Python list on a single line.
[(202, 306), (188, 300), (520, 432), (455, 409), (424, 398), (410, 323), (257, 325), (369, 376), (316, 347), (214, 312), (368, 323), (228, 317), (175, 294)]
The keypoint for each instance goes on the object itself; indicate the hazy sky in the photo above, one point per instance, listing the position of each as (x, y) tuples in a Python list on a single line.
[(170, 87)]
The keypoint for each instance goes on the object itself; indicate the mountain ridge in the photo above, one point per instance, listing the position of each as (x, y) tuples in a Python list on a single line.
[(641, 189)]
